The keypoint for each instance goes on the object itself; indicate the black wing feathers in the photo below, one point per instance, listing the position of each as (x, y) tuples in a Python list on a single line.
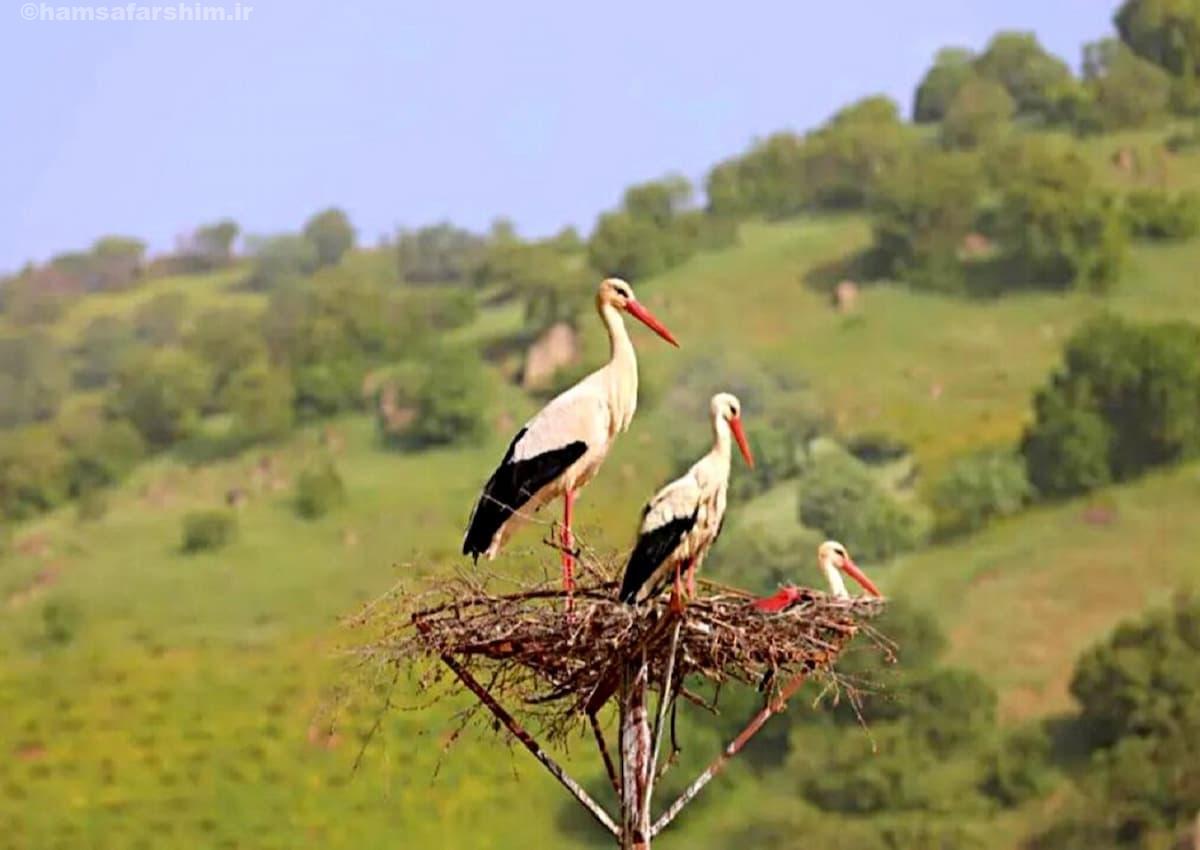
[(512, 485), (651, 549)]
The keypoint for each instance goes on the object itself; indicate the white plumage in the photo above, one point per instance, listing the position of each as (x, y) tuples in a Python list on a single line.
[(683, 519), (562, 447)]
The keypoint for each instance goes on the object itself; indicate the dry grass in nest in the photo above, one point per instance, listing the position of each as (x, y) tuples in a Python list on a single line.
[(528, 652)]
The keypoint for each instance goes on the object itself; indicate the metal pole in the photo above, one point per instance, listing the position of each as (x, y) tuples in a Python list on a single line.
[(636, 765)]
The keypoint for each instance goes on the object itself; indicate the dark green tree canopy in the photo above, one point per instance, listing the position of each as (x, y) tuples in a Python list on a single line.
[(1033, 76), (951, 68), (331, 234), (1165, 32)]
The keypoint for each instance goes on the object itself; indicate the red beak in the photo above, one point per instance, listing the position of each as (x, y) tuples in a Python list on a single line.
[(851, 569), (735, 425), (639, 312), (781, 600)]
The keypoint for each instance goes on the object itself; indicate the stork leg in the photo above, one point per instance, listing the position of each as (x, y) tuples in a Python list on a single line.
[(677, 592), (568, 544), (691, 580)]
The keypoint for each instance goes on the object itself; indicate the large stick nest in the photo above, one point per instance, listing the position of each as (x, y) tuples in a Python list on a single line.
[(526, 648)]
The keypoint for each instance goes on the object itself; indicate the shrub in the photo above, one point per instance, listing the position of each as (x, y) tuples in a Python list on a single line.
[(840, 498), (162, 394), (978, 488), (1056, 227), (452, 402), (208, 530), (330, 234), (62, 617), (922, 215), (319, 489), (980, 112), (1155, 214), (1019, 768), (260, 399), (1127, 399)]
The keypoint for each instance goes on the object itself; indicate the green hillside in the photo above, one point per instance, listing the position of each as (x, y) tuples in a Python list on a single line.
[(192, 706)]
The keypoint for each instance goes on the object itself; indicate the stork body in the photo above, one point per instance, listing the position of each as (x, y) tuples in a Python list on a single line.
[(833, 560), (561, 448), (683, 519)]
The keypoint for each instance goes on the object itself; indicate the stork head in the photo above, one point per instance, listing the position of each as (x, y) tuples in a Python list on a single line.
[(832, 556), (617, 293), (726, 407)]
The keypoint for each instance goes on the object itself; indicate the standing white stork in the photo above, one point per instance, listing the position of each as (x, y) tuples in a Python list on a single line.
[(560, 449), (833, 560), (682, 520)]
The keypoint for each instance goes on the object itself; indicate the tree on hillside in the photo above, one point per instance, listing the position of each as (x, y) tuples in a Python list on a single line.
[(161, 393), (1057, 228), (922, 215), (846, 160), (159, 321), (768, 180), (977, 488), (951, 68), (331, 235), (1033, 76), (104, 344), (280, 259), (117, 261), (647, 235), (101, 451), (1127, 90), (980, 112), (1139, 699), (33, 378), (33, 472), (553, 284), (452, 401), (1126, 399), (440, 253), (840, 498), (260, 399), (1165, 32), (226, 339), (211, 246)]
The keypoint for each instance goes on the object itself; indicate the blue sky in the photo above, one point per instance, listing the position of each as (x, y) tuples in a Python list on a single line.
[(405, 112)]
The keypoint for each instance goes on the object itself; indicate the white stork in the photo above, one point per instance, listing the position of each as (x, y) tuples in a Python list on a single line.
[(560, 449), (833, 560), (682, 520)]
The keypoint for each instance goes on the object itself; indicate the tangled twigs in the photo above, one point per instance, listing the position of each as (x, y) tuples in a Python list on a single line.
[(563, 668)]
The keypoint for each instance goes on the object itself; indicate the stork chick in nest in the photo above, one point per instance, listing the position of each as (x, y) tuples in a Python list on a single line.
[(684, 518), (834, 560)]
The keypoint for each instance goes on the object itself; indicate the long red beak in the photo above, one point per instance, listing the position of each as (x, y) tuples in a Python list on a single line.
[(851, 569), (639, 312), (735, 425)]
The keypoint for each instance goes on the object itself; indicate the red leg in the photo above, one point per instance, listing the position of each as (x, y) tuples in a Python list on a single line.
[(568, 543), (691, 579), (677, 592)]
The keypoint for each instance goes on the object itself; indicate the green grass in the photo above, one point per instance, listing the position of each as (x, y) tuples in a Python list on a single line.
[(181, 714)]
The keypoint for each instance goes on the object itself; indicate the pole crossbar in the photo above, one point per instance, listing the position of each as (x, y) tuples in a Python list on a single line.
[(597, 811), (734, 747)]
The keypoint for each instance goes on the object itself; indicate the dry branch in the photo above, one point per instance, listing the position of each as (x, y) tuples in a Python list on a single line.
[(555, 665)]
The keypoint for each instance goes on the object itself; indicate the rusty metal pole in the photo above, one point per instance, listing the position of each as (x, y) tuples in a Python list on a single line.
[(636, 757)]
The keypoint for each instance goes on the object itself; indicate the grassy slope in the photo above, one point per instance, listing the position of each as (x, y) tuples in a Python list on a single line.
[(181, 715)]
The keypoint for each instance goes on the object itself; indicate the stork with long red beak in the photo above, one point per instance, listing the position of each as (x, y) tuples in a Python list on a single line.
[(833, 560), (560, 449), (682, 521)]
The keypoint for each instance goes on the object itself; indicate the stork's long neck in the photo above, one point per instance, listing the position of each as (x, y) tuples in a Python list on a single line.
[(837, 587), (722, 448), (621, 368)]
